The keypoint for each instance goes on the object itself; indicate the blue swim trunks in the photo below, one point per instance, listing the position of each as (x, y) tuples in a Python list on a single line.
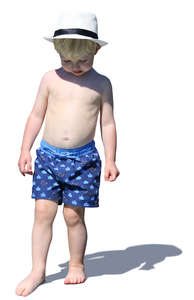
[(71, 176)]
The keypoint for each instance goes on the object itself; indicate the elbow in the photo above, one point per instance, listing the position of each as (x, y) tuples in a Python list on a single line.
[(107, 123), (36, 117), (107, 126)]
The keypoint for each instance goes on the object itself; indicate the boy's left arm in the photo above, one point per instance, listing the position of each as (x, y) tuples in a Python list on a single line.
[(108, 131)]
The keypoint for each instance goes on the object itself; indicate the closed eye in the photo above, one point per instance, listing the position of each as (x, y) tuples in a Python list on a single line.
[(66, 61)]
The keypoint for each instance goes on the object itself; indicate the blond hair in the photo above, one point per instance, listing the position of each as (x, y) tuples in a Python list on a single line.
[(74, 48)]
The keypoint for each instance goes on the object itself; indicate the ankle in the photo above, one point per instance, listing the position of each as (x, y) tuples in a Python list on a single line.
[(38, 271), (76, 264)]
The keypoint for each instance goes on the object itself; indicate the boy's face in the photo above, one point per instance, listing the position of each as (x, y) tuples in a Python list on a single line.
[(78, 66)]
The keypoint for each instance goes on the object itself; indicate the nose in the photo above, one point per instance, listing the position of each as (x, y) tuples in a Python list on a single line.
[(75, 66), (75, 69)]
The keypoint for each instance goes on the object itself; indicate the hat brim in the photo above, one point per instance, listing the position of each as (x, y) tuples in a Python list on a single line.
[(75, 36)]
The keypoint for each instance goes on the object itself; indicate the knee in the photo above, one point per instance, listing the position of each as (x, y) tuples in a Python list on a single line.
[(72, 218), (43, 213)]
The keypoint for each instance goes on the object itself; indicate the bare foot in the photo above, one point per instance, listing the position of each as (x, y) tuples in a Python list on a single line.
[(75, 274), (27, 285)]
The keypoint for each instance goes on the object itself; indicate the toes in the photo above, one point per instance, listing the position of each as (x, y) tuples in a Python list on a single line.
[(80, 280), (25, 293), (67, 280), (19, 291), (74, 280)]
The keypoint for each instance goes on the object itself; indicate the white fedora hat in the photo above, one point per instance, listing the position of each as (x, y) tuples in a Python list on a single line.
[(76, 25)]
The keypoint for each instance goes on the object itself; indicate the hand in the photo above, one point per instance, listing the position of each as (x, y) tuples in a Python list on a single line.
[(111, 171), (25, 158)]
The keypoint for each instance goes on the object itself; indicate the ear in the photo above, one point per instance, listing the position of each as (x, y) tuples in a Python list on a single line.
[(97, 47)]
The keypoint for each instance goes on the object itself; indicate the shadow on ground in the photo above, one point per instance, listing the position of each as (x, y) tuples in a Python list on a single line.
[(120, 261)]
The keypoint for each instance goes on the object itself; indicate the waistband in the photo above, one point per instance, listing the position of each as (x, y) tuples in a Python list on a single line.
[(67, 152)]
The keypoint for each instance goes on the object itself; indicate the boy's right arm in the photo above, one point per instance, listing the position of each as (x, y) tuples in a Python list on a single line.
[(33, 125)]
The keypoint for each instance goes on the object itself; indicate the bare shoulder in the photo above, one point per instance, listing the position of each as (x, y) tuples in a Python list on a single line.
[(48, 75), (106, 90), (47, 79), (105, 81)]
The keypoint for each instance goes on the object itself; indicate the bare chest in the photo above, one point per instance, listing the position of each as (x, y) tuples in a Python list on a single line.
[(67, 97), (72, 111)]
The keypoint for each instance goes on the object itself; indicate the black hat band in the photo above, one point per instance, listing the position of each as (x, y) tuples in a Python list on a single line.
[(76, 31)]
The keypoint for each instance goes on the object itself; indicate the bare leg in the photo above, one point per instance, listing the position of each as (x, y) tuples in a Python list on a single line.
[(45, 212), (77, 238)]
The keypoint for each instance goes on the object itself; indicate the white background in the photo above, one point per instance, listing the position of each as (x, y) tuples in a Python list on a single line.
[(145, 216)]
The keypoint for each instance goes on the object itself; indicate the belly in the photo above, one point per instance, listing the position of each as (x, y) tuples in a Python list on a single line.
[(69, 131)]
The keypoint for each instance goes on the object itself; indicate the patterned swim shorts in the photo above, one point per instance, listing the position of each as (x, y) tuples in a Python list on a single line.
[(71, 176)]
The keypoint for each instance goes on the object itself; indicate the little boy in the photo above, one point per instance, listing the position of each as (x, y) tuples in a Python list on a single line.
[(67, 168)]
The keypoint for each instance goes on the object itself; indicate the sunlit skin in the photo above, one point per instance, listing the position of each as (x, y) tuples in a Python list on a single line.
[(71, 105)]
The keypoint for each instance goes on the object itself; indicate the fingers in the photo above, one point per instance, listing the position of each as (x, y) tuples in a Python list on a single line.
[(25, 168), (111, 176), (21, 168), (29, 168)]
